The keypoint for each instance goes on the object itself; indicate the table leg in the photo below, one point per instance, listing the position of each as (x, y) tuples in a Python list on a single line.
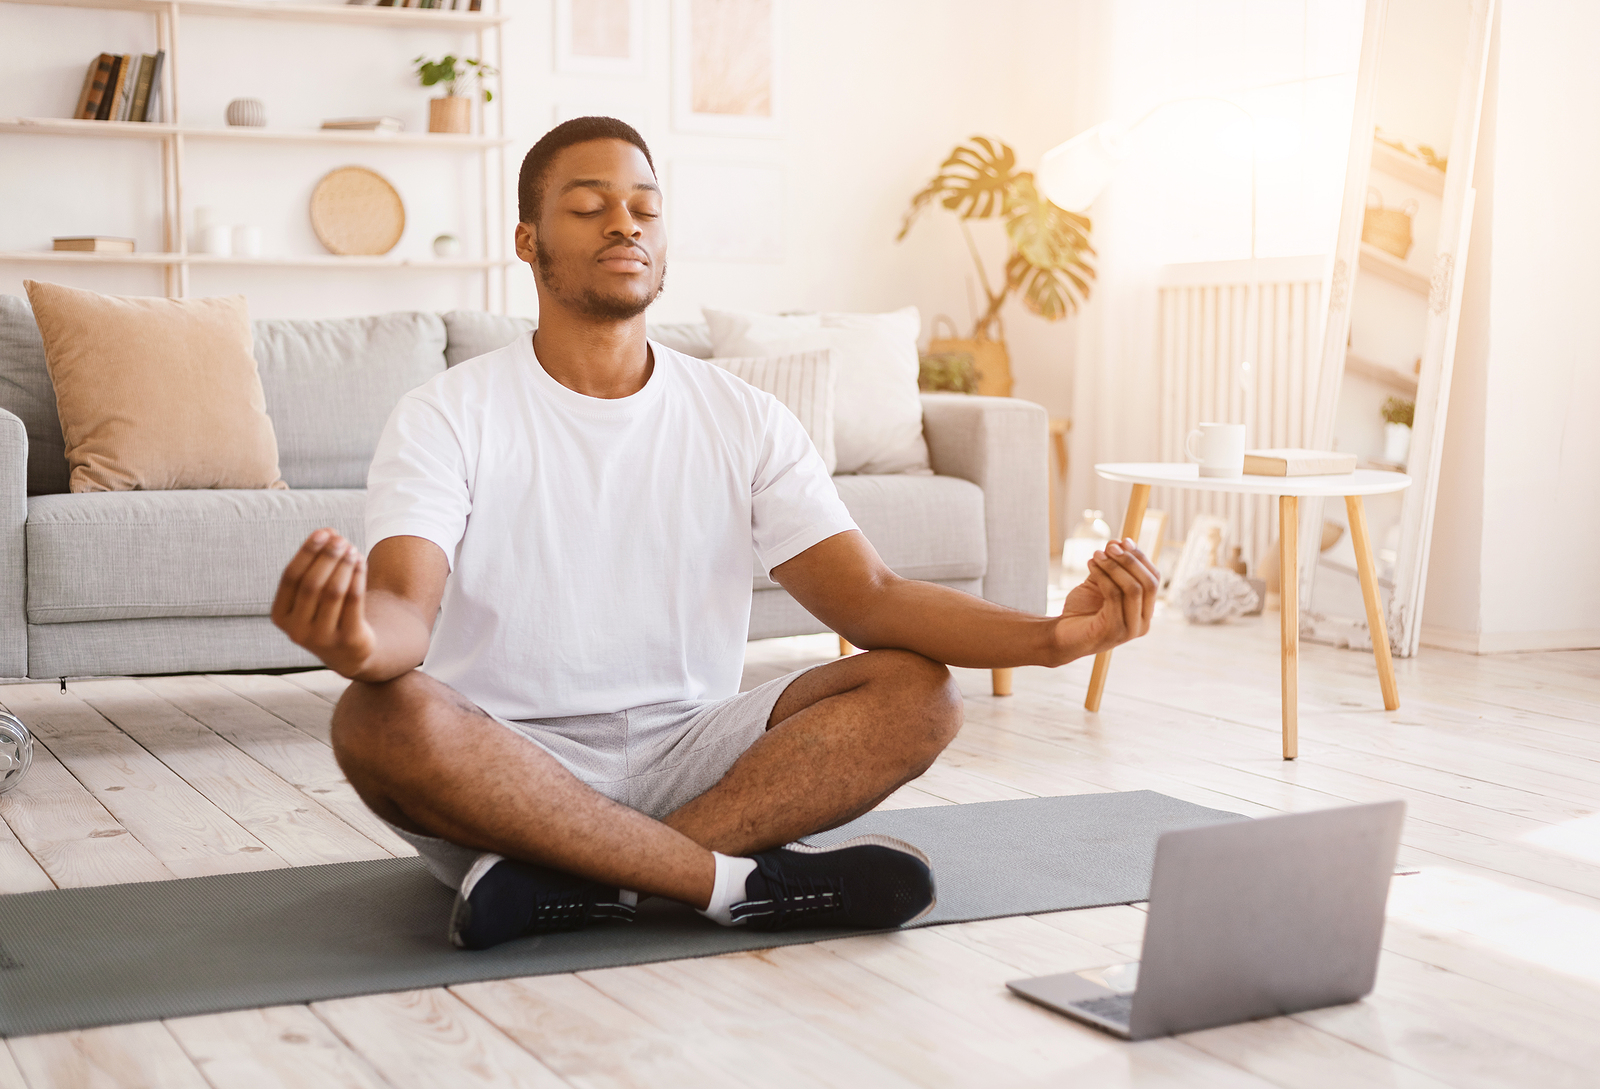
[(1289, 616), (1137, 500), (1001, 681), (1369, 593)]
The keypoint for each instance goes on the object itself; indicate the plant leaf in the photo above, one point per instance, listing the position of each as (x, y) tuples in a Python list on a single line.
[(973, 182), (1050, 250)]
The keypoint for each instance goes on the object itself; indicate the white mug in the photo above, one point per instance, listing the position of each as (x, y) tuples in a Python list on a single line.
[(1220, 449)]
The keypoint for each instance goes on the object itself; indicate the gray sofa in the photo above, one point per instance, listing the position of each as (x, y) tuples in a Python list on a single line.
[(180, 581)]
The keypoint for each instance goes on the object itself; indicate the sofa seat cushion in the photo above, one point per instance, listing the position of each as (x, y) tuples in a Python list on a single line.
[(140, 555), (924, 527)]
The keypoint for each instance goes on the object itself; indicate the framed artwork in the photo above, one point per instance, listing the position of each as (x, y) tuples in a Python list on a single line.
[(600, 37), (726, 67), (726, 212)]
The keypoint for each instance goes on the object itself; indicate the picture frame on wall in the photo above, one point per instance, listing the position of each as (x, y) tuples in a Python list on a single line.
[(727, 70), (600, 37)]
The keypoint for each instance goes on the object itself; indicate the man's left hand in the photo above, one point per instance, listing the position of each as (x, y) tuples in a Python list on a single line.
[(1113, 605)]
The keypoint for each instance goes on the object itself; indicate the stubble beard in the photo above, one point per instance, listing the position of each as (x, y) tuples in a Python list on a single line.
[(590, 302)]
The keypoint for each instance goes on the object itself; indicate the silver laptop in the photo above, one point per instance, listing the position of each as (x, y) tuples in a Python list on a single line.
[(1248, 919)]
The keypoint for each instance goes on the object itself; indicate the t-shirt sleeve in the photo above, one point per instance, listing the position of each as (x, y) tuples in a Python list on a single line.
[(417, 485), (793, 503)]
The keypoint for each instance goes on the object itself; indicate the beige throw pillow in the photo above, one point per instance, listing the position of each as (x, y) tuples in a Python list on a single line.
[(803, 383), (156, 393), (877, 408)]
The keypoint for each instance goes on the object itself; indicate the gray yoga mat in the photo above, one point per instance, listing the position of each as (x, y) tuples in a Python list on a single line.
[(77, 958)]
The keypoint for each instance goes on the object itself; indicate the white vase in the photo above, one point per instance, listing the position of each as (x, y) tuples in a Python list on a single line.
[(1396, 443), (247, 113)]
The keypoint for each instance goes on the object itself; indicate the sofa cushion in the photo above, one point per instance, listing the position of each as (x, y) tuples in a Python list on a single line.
[(330, 386), (474, 332), (26, 391), (924, 527), (129, 555), (155, 393)]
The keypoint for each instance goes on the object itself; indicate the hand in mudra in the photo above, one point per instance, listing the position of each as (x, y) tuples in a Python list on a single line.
[(1114, 604), (320, 604)]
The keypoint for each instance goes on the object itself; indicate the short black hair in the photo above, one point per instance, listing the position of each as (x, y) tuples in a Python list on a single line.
[(579, 130)]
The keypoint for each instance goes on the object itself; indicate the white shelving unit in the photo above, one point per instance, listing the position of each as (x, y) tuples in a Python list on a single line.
[(172, 135)]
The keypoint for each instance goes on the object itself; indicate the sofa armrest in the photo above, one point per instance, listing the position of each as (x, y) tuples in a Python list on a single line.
[(13, 546), (1001, 445)]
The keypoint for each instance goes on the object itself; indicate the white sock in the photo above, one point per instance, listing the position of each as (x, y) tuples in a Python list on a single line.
[(729, 887)]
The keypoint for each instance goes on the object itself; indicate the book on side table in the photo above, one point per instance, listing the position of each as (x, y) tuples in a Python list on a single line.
[(1297, 462)]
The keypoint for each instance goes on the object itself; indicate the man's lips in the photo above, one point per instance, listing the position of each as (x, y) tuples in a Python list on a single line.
[(624, 260)]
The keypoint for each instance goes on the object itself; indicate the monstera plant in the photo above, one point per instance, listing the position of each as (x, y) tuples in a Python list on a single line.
[(1047, 247)]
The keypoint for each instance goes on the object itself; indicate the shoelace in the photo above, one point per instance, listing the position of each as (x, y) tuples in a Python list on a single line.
[(791, 896)]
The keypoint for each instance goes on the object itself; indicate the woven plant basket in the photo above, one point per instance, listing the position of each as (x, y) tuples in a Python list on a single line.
[(989, 357), (1389, 229)]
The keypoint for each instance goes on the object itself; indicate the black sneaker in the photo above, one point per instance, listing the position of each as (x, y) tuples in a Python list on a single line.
[(502, 898), (870, 882)]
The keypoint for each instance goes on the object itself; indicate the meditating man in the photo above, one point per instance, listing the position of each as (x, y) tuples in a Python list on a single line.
[(546, 639)]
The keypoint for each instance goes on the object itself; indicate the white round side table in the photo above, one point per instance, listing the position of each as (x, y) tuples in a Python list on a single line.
[(1288, 489)]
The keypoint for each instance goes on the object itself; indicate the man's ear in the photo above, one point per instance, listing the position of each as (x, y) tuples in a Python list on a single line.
[(526, 241)]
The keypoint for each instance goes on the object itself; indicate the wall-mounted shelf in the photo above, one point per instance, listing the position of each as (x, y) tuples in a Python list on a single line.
[(353, 15), (1379, 372), (173, 136), (1391, 268), (152, 130), (1412, 171), (329, 261)]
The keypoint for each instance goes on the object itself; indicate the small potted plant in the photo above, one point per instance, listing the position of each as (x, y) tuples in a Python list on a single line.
[(1397, 416), (452, 112)]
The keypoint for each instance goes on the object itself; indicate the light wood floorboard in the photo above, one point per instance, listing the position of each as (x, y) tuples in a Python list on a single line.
[(1490, 976)]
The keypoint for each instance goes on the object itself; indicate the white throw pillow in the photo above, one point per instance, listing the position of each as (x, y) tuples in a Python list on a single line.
[(877, 410), (803, 383)]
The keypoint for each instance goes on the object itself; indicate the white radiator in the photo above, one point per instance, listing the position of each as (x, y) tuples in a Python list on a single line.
[(1213, 317)]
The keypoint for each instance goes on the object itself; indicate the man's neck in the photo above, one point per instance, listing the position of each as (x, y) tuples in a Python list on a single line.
[(594, 357)]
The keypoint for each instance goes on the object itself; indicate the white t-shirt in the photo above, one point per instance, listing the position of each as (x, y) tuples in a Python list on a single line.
[(600, 550)]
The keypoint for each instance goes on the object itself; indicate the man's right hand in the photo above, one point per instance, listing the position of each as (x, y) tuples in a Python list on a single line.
[(321, 602)]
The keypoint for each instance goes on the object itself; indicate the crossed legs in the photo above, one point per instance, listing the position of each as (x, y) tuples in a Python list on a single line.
[(841, 738)]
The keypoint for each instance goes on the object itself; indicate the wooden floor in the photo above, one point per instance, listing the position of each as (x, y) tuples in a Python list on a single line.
[(1490, 975)]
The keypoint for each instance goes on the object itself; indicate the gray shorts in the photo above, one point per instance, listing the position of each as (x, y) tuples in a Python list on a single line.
[(653, 759)]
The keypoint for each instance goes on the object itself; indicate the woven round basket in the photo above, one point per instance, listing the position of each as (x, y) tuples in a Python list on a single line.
[(354, 211), (1389, 229)]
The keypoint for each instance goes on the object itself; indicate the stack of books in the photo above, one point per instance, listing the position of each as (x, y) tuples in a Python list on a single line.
[(365, 124), (1297, 463), (442, 5), (122, 87), (93, 243)]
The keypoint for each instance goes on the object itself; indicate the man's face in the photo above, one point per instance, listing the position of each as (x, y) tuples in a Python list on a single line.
[(599, 246)]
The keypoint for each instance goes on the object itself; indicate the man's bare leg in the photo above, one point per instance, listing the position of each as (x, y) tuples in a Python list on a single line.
[(841, 738), (430, 761)]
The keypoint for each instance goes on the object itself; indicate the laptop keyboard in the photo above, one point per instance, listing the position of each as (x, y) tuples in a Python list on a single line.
[(1116, 1008)]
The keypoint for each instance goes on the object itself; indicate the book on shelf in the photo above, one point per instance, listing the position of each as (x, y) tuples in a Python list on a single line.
[(92, 243), (152, 105), (88, 89), (1297, 462), (108, 106), (104, 68), (365, 124), (141, 88)]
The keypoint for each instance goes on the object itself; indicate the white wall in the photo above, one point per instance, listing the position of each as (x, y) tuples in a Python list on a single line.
[(1183, 193), (1532, 371), (877, 94)]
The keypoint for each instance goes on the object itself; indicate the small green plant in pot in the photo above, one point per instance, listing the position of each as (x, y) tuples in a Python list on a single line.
[(459, 76)]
